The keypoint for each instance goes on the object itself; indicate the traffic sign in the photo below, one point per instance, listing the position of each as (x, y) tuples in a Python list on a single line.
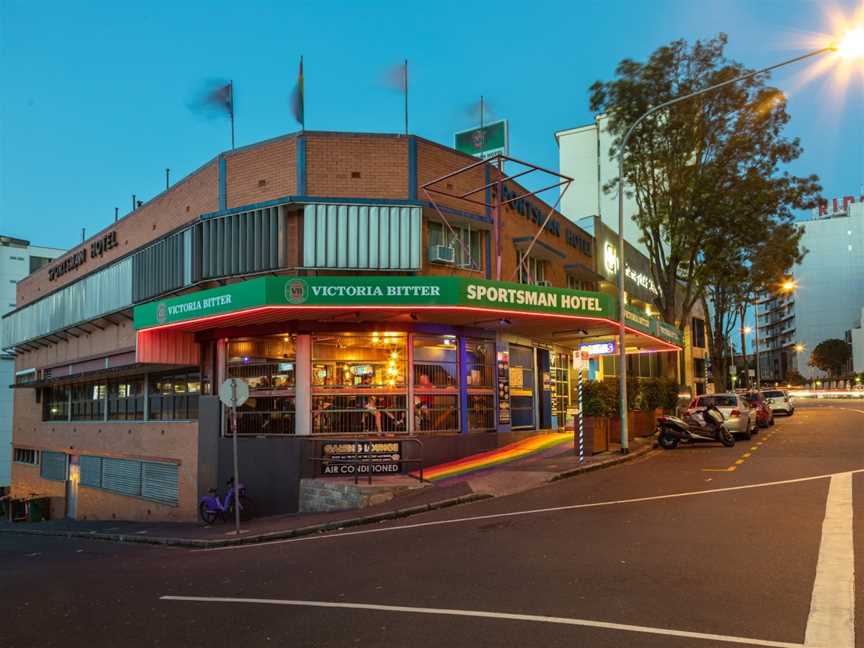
[(234, 392)]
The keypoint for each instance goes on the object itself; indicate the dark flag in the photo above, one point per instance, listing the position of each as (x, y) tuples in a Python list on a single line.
[(297, 99), (397, 79), (216, 99)]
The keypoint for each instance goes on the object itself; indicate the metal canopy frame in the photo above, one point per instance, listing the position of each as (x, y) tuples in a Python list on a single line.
[(496, 164)]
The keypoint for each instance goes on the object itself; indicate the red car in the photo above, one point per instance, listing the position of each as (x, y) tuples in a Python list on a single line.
[(764, 413)]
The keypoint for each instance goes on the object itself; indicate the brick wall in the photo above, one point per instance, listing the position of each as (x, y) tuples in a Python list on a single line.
[(262, 172), (333, 161), (195, 194)]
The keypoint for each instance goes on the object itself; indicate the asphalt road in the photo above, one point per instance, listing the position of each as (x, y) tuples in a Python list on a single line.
[(636, 555)]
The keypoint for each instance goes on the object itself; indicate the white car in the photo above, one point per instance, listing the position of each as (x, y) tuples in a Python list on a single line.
[(780, 401), (740, 418)]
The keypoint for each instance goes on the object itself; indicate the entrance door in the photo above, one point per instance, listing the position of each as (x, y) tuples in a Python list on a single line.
[(522, 386), (73, 477), (545, 386)]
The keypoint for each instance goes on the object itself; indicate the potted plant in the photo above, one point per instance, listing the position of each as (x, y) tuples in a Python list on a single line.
[(597, 403)]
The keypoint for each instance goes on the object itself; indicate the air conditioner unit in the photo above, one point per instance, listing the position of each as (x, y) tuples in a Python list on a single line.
[(441, 254), (542, 282)]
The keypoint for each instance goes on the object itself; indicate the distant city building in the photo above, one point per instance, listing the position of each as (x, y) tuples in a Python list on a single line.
[(17, 260), (829, 295)]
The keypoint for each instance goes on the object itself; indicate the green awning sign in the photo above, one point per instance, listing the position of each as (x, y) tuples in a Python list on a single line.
[(384, 291), (485, 142)]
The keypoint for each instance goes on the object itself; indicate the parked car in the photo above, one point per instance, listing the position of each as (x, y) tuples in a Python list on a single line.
[(764, 413), (780, 401), (740, 417)]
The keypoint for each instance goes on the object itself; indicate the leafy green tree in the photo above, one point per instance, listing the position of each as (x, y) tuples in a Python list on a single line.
[(831, 356), (706, 178)]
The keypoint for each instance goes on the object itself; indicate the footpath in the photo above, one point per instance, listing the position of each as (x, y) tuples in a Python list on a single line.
[(555, 463)]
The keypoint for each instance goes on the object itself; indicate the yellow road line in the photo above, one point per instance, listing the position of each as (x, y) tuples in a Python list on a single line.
[(730, 469), (746, 454), (739, 462)]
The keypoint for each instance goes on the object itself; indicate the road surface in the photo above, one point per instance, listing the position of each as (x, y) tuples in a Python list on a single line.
[(703, 546)]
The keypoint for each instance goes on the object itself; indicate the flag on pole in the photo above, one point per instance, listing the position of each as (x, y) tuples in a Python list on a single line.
[(216, 99), (397, 79), (297, 99)]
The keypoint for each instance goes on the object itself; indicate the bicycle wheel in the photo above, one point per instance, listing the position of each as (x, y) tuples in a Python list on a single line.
[(207, 514)]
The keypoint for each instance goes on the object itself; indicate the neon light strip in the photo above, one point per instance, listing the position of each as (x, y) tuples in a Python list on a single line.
[(443, 309)]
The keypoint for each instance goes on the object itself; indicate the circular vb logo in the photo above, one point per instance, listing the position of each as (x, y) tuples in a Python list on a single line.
[(161, 313), (295, 291)]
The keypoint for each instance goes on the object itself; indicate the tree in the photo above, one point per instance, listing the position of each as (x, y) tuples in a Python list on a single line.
[(705, 176), (793, 377), (831, 356)]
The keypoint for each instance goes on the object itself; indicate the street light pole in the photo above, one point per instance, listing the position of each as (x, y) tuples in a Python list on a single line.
[(622, 295)]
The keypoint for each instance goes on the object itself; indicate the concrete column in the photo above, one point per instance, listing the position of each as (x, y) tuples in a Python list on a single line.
[(303, 385)]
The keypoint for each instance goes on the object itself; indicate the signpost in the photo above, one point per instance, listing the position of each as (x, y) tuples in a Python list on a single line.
[(233, 393), (580, 360)]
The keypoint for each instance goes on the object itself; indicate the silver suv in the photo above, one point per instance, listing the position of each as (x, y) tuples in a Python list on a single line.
[(779, 401)]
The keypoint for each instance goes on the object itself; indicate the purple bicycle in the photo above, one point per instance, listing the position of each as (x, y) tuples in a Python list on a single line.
[(213, 507)]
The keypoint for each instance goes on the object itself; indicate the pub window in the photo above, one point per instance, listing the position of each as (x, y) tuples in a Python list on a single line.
[(436, 383), (532, 270), (267, 364), (55, 404), (359, 383), (88, 401), (699, 367), (126, 399), (174, 396), (440, 234), (480, 379)]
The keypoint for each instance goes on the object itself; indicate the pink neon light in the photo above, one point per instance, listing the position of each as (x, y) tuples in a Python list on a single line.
[(457, 309)]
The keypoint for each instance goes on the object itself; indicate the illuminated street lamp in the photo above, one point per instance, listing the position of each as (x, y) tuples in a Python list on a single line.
[(799, 348), (850, 47)]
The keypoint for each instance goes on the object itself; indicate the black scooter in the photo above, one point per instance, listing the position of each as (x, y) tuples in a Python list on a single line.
[(702, 424)]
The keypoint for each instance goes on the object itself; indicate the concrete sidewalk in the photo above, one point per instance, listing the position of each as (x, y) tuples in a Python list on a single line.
[(557, 463)]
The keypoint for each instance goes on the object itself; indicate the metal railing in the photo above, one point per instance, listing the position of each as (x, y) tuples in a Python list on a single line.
[(368, 458)]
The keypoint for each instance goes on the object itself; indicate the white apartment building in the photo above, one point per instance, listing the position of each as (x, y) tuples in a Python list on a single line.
[(584, 156), (17, 259), (828, 300)]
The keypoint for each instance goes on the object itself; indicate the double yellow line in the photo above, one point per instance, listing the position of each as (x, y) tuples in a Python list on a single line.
[(744, 457)]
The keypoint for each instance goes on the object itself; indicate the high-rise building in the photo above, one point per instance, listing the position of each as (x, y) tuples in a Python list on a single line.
[(17, 260), (829, 294)]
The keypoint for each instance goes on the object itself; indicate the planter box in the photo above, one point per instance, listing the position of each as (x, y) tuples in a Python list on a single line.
[(596, 434)]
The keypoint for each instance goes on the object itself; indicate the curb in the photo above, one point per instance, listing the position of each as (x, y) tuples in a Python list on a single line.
[(630, 456), (258, 538)]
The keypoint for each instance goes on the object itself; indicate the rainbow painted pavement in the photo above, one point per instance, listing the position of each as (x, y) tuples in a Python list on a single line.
[(512, 452)]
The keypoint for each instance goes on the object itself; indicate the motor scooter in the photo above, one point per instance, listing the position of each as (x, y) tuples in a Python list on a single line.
[(701, 424)]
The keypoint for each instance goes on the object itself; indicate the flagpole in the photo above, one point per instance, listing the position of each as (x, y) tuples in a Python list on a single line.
[(481, 114), (231, 100), (302, 98), (406, 97)]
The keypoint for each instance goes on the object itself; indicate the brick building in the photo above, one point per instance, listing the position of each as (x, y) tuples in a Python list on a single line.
[(314, 267)]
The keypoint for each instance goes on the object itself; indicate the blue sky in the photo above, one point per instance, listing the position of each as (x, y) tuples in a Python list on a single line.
[(95, 96)]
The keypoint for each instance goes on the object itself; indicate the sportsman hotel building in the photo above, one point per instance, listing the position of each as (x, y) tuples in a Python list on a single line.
[(316, 267)]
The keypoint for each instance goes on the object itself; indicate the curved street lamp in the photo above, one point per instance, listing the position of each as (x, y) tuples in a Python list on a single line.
[(851, 46)]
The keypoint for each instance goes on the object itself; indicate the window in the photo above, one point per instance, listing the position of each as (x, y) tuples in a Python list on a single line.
[(698, 328), (480, 379), (359, 383), (267, 364), (37, 262), (436, 372), (53, 466), (467, 253), (575, 284), (531, 270), (26, 456), (126, 399), (150, 480), (699, 367), (88, 401), (55, 404), (174, 397)]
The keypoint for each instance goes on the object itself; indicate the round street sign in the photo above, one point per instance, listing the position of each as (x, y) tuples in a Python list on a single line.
[(234, 392)]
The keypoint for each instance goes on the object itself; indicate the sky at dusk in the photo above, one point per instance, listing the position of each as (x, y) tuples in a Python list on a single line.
[(95, 96)]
